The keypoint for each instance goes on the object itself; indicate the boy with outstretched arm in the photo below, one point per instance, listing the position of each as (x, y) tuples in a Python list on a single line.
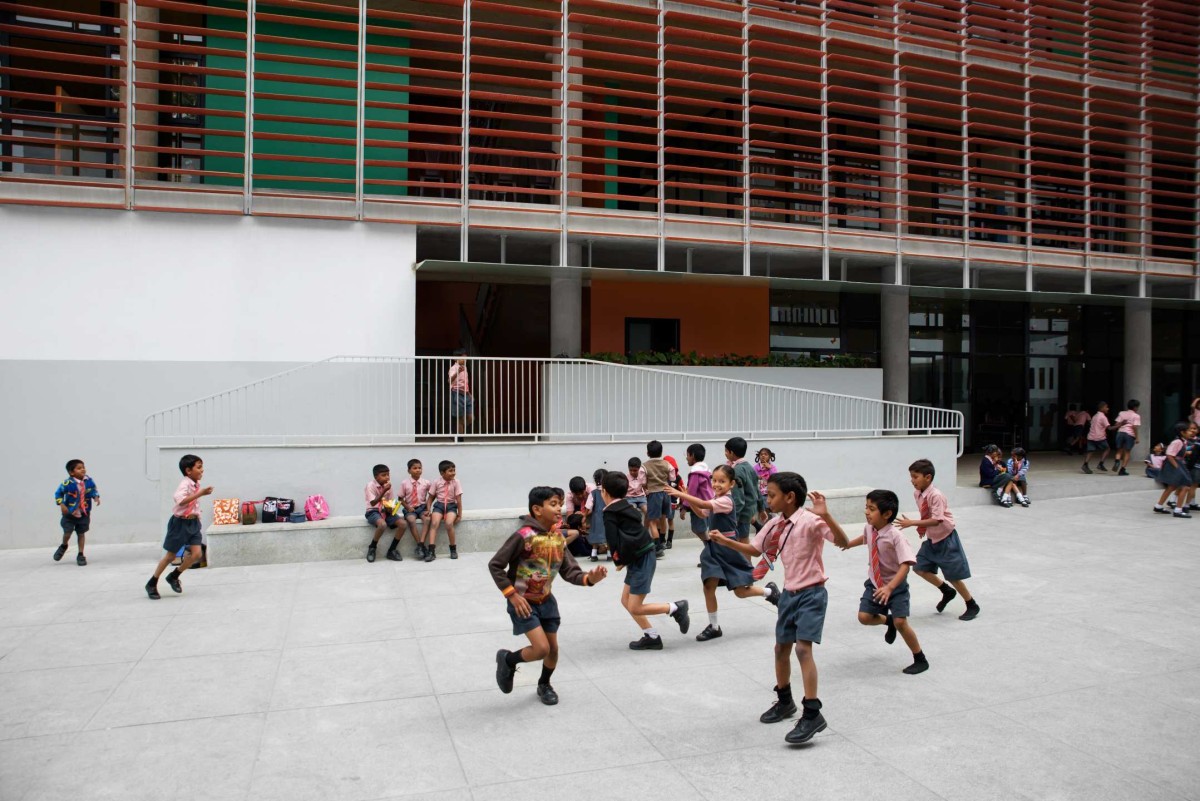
[(632, 549), (183, 529), (796, 539), (524, 569), (942, 547), (75, 497), (885, 599)]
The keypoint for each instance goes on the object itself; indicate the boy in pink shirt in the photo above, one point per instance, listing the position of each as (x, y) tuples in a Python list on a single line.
[(796, 539), (382, 511), (462, 403), (1097, 438), (1128, 424), (942, 547), (885, 599), (414, 491), (446, 497), (183, 529)]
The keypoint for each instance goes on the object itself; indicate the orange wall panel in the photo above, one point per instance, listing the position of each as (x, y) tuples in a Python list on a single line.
[(713, 318)]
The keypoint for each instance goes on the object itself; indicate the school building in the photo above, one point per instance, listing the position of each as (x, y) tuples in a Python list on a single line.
[(996, 202)]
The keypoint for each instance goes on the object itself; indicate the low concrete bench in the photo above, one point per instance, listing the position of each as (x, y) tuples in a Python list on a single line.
[(347, 537), (343, 538)]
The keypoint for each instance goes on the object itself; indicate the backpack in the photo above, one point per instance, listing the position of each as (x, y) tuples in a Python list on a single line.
[(249, 513), (284, 508), (270, 510), (315, 508)]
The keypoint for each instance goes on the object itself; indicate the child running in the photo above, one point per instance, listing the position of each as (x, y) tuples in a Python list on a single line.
[(75, 496), (446, 495), (1174, 475), (631, 547), (722, 567), (942, 547), (183, 528), (1128, 425), (1097, 438), (524, 569), (885, 599), (796, 539)]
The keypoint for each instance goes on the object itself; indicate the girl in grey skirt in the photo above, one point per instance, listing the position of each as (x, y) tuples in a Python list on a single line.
[(1174, 474)]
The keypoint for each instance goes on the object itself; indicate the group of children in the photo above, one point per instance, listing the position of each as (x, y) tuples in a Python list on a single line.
[(1128, 434), (723, 502), (1178, 470), (1005, 479), (419, 505)]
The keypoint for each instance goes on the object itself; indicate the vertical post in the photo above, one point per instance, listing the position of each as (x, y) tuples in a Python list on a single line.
[(661, 140), (900, 212), (360, 122), (825, 140), (746, 138), (564, 131), (248, 141), (130, 72), (964, 114), (1138, 337), (894, 355), (1145, 237), (465, 176)]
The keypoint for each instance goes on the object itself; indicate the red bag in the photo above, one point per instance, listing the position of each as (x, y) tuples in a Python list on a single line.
[(249, 513)]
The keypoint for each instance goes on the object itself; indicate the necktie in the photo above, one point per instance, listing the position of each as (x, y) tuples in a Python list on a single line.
[(876, 574), (771, 553), (924, 516)]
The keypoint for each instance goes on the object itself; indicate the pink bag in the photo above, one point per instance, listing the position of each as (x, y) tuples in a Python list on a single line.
[(316, 508)]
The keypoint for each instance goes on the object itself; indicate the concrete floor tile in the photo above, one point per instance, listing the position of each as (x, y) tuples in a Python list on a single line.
[(25, 762), (356, 752), (331, 590), (10, 638), (467, 662), (37, 606), (602, 649), (221, 633), (162, 690), (464, 614), (78, 644), (57, 700), (610, 784), (350, 673), (360, 621), (127, 603), (1179, 689)]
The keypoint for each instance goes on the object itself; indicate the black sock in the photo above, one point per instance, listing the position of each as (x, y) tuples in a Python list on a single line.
[(972, 605), (947, 589), (546, 673), (785, 694), (453, 549), (812, 707), (513, 659), (919, 656)]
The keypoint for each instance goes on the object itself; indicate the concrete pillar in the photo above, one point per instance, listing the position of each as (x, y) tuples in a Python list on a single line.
[(893, 333), (1137, 366), (566, 315)]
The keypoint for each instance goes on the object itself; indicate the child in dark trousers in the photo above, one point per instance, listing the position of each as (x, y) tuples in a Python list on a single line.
[(524, 569), (795, 538), (75, 498), (633, 549), (885, 599), (183, 528), (942, 547)]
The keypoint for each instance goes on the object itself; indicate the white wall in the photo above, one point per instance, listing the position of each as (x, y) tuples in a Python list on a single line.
[(499, 475), (861, 382), (99, 285)]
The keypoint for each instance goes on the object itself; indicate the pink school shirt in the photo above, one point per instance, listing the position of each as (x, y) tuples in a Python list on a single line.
[(721, 505), (637, 484), (1127, 420), (893, 549), (186, 487), (459, 380), (1174, 449), (1082, 418), (444, 491), (932, 505), (414, 492), (569, 504), (801, 549), (1099, 429), (372, 489)]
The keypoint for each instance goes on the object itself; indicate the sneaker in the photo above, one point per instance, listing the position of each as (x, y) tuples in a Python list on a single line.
[(394, 555), (453, 553), (504, 673), (682, 618), (773, 598), (81, 560), (780, 710), (916, 667), (647, 643), (371, 552), (547, 695), (947, 597), (1087, 469), (152, 589), (659, 553), (58, 553), (1102, 468), (971, 613), (709, 633), (173, 581), (805, 729)]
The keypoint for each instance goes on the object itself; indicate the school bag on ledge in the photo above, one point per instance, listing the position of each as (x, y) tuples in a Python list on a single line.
[(226, 512), (270, 511), (297, 517), (249, 512), (316, 508)]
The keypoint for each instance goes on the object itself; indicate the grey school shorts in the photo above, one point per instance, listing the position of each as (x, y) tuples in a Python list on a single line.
[(948, 555), (544, 616), (897, 606), (639, 574), (656, 505), (1124, 441), (801, 615), (1097, 445)]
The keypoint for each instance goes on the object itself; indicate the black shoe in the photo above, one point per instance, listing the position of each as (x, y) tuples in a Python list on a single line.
[(948, 595), (890, 635), (1122, 472), (681, 616), (1178, 513), (593, 558), (394, 555), (152, 589), (173, 581), (805, 729), (1102, 468), (419, 553), (430, 554), (547, 695), (1171, 504), (1162, 511), (81, 560), (917, 667), (709, 633), (1087, 469), (647, 643), (780, 710), (773, 598), (58, 553), (971, 613), (659, 553), (453, 553), (371, 552), (504, 673), (1025, 502), (669, 545)]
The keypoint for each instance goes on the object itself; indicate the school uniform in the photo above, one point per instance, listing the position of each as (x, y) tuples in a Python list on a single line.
[(445, 495), (942, 548), (699, 485), (595, 534), (730, 568), (414, 492), (636, 494), (527, 564), (658, 476), (1178, 475), (1097, 438), (887, 549), (1126, 421), (797, 543), (376, 511), (183, 527), (623, 531)]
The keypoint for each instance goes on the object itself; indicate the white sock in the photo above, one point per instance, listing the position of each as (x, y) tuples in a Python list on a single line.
[(672, 607), (594, 552), (1008, 497), (651, 632), (1020, 497), (767, 592), (1158, 506), (712, 620)]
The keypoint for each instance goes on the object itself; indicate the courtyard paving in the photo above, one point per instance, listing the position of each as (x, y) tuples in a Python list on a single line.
[(348, 681)]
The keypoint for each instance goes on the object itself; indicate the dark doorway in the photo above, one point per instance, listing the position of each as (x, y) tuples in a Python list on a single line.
[(651, 334)]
